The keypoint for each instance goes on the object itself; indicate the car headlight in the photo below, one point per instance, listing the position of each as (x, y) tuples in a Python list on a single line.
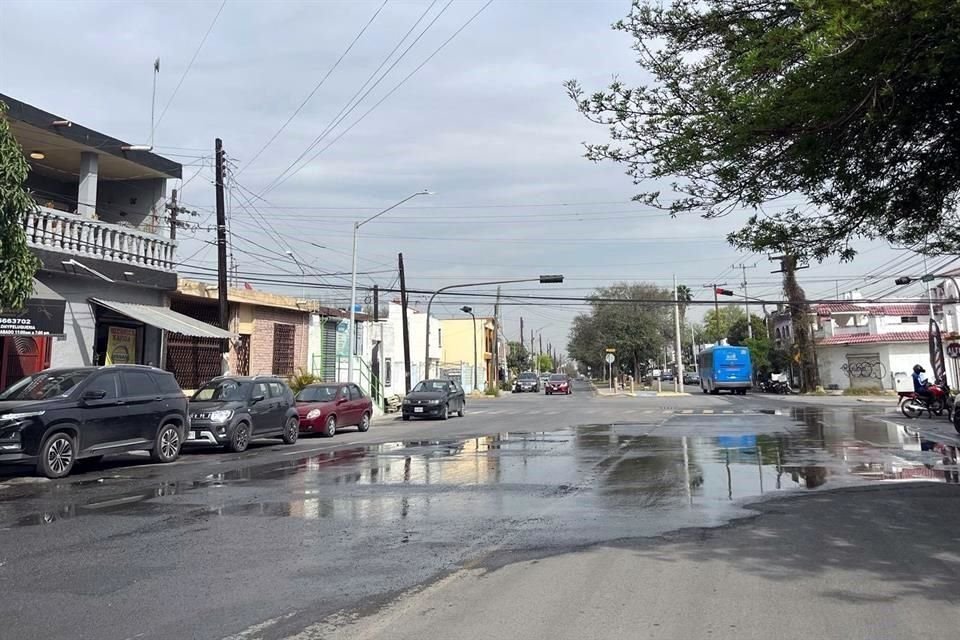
[(434, 402), (407, 402), (314, 413), (221, 415), (12, 417)]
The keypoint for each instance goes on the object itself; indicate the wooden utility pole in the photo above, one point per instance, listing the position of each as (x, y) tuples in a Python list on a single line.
[(746, 300), (173, 215), (376, 303), (406, 327), (222, 304), (800, 321), (496, 343)]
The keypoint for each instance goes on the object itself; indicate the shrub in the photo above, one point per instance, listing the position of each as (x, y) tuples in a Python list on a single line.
[(303, 378)]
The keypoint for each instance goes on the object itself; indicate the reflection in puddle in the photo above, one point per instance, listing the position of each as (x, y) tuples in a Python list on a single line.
[(690, 470)]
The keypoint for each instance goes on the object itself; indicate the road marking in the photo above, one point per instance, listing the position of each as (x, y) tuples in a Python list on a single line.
[(648, 411), (687, 411), (474, 412), (494, 413), (708, 411), (727, 411), (668, 412), (114, 502)]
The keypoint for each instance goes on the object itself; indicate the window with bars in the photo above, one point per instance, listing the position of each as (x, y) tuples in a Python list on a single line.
[(283, 349)]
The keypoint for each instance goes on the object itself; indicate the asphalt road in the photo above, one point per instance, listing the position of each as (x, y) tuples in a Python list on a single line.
[(531, 517)]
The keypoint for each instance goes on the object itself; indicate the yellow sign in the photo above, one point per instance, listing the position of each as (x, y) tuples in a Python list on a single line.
[(611, 350), (121, 346)]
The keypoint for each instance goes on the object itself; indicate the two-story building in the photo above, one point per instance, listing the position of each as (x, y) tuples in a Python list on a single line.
[(391, 347), (107, 262), (463, 340)]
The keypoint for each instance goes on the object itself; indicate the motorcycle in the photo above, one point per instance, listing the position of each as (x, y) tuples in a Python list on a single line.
[(912, 405)]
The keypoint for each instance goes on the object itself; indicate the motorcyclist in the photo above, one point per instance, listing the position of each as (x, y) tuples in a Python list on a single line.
[(920, 383)]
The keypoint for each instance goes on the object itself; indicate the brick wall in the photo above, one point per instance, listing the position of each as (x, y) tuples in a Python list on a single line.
[(261, 340)]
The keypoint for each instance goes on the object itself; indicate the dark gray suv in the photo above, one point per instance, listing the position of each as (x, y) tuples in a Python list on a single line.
[(231, 411)]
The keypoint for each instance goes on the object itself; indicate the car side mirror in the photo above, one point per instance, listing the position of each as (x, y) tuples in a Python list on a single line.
[(256, 399), (93, 394)]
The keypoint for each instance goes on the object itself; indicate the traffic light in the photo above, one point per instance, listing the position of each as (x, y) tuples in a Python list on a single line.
[(723, 292)]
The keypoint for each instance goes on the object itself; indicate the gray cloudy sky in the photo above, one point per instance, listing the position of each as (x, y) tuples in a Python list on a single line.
[(485, 123)]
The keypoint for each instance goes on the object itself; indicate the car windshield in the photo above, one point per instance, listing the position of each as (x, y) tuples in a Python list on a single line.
[(45, 385), (558, 378), (223, 390), (432, 386), (324, 393), (528, 376)]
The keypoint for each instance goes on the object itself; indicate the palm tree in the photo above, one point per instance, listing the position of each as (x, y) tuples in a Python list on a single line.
[(684, 296)]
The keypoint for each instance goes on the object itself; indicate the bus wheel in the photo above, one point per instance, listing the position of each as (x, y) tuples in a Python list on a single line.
[(714, 392)]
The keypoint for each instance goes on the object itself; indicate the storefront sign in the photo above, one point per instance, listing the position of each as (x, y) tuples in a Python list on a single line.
[(343, 347), (38, 318), (121, 346)]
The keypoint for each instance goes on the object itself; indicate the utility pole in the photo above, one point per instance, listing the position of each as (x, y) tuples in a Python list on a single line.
[(521, 342), (541, 351), (376, 303), (678, 374), (223, 307), (533, 360), (496, 343), (746, 303), (406, 328), (173, 215), (806, 355), (716, 304)]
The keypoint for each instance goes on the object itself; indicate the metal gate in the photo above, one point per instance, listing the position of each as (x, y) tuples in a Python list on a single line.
[(328, 351), (21, 356), (193, 361), (865, 371)]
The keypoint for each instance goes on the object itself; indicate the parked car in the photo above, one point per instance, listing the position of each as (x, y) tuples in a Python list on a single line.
[(325, 408), (231, 411), (434, 399), (527, 381), (58, 416), (691, 379), (558, 383)]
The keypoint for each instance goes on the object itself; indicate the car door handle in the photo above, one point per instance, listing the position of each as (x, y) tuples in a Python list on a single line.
[(120, 402)]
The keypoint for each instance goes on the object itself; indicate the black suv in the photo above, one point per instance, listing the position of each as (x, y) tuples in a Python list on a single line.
[(57, 416), (232, 410)]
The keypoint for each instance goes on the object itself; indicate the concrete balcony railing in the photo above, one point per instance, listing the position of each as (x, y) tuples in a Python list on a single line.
[(78, 236)]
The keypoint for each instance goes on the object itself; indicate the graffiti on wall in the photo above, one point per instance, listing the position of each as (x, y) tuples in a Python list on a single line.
[(865, 369)]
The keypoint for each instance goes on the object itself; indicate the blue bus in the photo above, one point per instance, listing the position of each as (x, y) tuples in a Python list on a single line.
[(724, 367)]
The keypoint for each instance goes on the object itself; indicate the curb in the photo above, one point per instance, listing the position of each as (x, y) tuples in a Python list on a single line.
[(671, 394)]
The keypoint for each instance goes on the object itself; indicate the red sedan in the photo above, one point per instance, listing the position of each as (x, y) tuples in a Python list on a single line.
[(558, 383), (325, 408)]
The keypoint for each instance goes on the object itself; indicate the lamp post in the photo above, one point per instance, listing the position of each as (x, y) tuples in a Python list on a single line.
[(469, 310), (303, 276), (353, 276), (543, 279)]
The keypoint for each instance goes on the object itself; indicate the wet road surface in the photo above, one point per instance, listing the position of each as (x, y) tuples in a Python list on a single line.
[(273, 542)]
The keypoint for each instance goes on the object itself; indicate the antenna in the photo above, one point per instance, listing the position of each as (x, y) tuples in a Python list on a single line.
[(153, 99)]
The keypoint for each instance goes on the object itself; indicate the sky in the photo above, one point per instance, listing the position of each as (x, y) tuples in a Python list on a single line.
[(474, 110)]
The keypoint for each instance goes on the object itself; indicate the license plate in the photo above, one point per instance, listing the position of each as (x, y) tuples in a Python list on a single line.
[(418, 409)]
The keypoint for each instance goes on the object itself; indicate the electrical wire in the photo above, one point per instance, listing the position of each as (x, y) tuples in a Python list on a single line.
[(315, 88)]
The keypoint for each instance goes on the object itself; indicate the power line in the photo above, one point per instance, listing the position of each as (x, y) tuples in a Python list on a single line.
[(190, 65), (315, 88), (344, 109), (393, 90)]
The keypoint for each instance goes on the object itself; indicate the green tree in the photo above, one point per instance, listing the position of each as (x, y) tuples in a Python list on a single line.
[(518, 359), (737, 333), (717, 327), (684, 296), (850, 105), (628, 317), (17, 263), (544, 362)]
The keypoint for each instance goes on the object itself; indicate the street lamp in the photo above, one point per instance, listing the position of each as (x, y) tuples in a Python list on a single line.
[(469, 310), (353, 276), (543, 279), (303, 273)]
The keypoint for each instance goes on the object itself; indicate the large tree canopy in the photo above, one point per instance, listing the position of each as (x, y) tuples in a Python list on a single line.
[(852, 105)]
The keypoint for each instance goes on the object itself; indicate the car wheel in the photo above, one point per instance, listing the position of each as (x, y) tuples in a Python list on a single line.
[(292, 431), (57, 456), (364, 425), (446, 412), (240, 438), (166, 447), (462, 410), (405, 418), (330, 428)]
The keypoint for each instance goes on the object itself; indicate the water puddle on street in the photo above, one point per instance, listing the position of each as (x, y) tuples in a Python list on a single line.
[(571, 486)]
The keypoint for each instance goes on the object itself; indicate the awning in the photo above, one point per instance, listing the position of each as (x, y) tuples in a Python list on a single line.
[(163, 318), (42, 315)]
